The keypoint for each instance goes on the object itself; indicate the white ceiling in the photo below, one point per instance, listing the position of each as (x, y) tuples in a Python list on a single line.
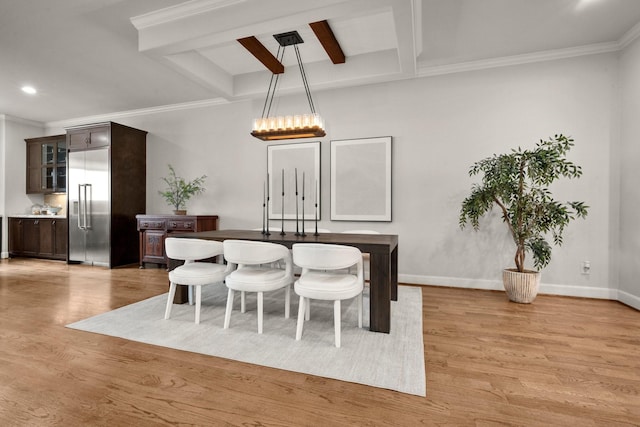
[(94, 57)]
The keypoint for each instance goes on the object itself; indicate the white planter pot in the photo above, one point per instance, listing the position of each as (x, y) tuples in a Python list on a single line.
[(521, 287)]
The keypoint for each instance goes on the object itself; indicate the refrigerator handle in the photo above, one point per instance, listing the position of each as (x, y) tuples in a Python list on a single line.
[(80, 205), (87, 205)]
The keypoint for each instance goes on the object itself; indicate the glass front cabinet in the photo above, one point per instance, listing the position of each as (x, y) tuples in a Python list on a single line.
[(47, 164)]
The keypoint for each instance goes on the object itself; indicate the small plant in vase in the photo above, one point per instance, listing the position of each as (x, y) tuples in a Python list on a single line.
[(517, 183), (179, 191)]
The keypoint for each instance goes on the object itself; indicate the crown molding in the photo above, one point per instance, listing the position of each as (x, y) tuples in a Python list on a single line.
[(549, 55), (134, 113), (629, 36), (20, 120), (180, 11)]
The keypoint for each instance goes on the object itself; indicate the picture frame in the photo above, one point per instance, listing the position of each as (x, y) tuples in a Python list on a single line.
[(361, 179), (284, 162)]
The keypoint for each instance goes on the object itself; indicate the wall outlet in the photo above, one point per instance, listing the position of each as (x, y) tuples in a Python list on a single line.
[(586, 267)]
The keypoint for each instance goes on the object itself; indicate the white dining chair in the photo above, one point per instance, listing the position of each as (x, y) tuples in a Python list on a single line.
[(366, 257), (325, 276), (191, 273), (257, 271)]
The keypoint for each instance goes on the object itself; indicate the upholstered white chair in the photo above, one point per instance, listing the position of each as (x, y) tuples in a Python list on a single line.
[(325, 276), (192, 273), (366, 258), (257, 271)]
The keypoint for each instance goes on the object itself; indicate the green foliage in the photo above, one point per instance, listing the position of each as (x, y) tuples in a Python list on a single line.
[(180, 191), (517, 183)]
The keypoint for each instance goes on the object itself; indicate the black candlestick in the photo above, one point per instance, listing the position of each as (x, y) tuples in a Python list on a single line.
[(268, 199), (303, 234), (316, 211), (282, 233), (264, 205), (316, 233), (296, 177)]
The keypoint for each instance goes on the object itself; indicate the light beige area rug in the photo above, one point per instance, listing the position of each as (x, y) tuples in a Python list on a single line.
[(393, 361)]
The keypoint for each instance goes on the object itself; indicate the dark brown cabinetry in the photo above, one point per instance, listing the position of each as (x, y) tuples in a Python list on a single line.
[(47, 164), (91, 137), (154, 229), (38, 237)]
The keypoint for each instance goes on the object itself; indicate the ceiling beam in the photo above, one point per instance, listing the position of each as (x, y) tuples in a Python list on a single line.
[(262, 54), (328, 40)]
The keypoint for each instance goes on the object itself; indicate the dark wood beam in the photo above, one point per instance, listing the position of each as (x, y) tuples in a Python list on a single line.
[(262, 54), (328, 40)]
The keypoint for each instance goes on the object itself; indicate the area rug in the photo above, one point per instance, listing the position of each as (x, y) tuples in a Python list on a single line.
[(393, 361)]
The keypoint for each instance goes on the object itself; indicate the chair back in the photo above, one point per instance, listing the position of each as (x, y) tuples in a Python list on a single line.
[(191, 249), (246, 252), (319, 256)]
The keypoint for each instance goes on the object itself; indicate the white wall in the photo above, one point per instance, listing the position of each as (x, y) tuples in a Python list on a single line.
[(14, 199), (440, 126), (629, 252), (3, 182)]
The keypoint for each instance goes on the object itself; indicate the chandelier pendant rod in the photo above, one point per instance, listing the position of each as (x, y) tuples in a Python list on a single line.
[(304, 79), (271, 94)]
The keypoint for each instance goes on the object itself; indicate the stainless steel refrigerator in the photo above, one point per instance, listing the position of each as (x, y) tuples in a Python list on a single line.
[(89, 195), (106, 189)]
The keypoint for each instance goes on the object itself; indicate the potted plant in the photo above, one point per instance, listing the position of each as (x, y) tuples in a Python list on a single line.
[(179, 191), (517, 183)]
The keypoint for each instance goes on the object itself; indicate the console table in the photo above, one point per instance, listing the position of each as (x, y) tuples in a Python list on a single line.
[(383, 264), (154, 229)]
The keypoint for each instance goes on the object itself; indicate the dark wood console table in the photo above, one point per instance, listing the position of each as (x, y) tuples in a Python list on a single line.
[(383, 265), (154, 229)]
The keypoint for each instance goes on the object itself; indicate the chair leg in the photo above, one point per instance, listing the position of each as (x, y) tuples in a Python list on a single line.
[(227, 313), (336, 320), (243, 304), (359, 302), (307, 311), (172, 294), (190, 292), (260, 317), (287, 302), (198, 302), (301, 313)]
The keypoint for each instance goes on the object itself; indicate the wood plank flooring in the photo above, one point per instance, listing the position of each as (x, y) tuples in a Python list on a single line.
[(558, 362)]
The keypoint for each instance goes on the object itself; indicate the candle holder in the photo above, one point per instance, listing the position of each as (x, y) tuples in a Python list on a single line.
[(316, 210), (264, 206), (303, 234), (282, 233), (296, 178), (316, 220), (266, 233)]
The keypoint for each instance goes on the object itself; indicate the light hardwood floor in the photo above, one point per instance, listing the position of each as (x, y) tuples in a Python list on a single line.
[(560, 361)]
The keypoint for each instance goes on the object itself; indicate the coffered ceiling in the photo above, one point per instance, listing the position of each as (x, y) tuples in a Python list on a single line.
[(94, 57), (377, 37)]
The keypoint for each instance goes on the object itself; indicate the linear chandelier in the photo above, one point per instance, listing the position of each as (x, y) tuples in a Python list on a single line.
[(273, 128)]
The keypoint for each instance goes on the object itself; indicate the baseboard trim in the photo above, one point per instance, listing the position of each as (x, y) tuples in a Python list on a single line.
[(545, 288), (628, 299)]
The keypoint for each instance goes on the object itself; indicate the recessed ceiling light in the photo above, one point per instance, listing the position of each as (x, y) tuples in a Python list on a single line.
[(29, 89)]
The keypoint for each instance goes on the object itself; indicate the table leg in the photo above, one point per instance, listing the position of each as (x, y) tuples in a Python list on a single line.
[(394, 274), (380, 297)]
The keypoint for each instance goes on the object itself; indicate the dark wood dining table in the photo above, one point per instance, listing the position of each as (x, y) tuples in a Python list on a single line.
[(383, 250)]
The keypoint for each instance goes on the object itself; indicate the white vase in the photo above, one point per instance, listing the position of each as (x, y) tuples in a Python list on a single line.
[(521, 287)]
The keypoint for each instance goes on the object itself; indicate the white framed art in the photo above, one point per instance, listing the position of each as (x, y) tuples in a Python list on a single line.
[(291, 166), (361, 179)]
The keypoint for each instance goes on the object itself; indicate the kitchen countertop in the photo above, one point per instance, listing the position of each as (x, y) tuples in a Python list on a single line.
[(36, 216)]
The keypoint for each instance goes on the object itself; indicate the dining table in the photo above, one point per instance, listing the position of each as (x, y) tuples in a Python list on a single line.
[(383, 264)]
